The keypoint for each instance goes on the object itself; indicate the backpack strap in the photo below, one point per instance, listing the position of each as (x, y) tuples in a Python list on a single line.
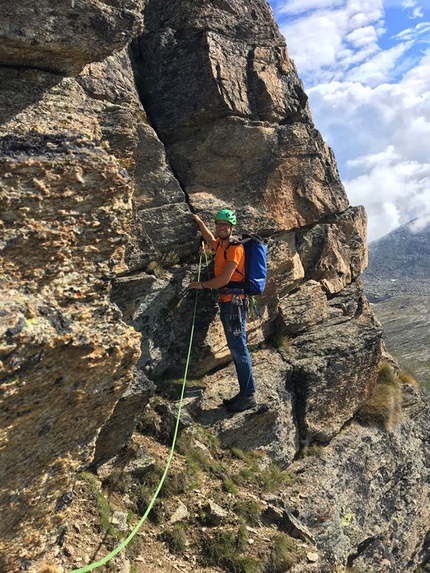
[(238, 285), (235, 284)]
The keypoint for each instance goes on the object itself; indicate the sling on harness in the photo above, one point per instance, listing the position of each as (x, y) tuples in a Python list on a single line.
[(236, 315)]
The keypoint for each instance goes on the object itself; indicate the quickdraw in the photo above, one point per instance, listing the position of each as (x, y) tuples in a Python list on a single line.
[(236, 315)]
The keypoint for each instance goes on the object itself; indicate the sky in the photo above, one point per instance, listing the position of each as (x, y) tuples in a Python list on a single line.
[(365, 65)]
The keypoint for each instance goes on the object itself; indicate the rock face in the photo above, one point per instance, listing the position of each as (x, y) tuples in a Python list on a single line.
[(217, 83), (98, 181), (66, 186), (350, 494), (63, 36)]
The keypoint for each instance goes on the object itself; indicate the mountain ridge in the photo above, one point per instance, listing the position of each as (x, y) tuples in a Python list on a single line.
[(397, 282), (399, 262)]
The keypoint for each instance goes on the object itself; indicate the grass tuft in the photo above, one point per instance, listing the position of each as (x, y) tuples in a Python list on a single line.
[(225, 549), (273, 477), (105, 514), (284, 555), (117, 481), (383, 409), (249, 511), (312, 450), (175, 538), (407, 378), (90, 479), (229, 486)]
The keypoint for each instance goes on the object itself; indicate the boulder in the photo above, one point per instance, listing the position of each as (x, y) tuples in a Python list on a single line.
[(62, 36)]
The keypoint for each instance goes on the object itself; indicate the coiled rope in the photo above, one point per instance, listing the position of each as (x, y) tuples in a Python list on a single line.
[(126, 541)]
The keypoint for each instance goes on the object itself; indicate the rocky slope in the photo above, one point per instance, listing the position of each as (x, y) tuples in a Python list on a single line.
[(110, 139), (407, 333), (335, 508)]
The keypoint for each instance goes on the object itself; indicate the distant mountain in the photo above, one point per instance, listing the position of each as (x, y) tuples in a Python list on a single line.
[(397, 282), (399, 263)]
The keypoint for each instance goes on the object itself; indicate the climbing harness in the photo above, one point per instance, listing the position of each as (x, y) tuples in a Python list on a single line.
[(126, 541)]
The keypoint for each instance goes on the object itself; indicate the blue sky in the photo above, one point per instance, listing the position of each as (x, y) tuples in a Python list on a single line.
[(366, 69)]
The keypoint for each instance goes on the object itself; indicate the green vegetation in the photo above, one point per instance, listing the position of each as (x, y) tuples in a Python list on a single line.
[(424, 569), (197, 460), (90, 479), (225, 549), (273, 478), (383, 409), (269, 479), (407, 378), (157, 268), (134, 548), (249, 511), (117, 481), (202, 465), (175, 484), (312, 450), (105, 514), (229, 485), (175, 538), (280, 341), (199, 449), (284, 555), (102, 503), (170, 388)]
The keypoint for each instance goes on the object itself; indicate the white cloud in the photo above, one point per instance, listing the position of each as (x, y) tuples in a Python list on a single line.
[(302, 6), (369, 92), (362, 37), (393, 192), (418, 78), (420, 223), (311, 32), (370, 161), (419, 32), (417, 11), (379, 68), (381, 139), (333, 37)]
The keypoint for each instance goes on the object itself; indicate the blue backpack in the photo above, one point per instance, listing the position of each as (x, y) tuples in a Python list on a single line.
[(255, 264)]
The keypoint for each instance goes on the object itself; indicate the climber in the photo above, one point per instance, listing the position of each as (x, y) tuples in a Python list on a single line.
[(233, 303)]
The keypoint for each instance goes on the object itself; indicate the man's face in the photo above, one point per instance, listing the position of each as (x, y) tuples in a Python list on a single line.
[(223, 229)]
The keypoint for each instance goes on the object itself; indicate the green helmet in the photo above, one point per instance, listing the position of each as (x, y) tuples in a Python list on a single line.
[(226, 215)]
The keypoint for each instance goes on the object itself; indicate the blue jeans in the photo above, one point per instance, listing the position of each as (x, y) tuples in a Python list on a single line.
[(238, 348)]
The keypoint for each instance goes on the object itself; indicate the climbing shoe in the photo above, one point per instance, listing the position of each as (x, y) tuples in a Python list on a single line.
[(228, 401), (242, 403)]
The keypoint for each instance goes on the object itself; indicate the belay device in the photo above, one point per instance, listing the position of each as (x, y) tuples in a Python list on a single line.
[(255, 264)]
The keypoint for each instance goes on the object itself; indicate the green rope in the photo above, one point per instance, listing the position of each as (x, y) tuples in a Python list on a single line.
[(126, 541), (203, 250)]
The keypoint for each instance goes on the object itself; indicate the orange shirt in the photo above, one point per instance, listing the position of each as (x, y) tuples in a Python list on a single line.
[(235, 254)]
